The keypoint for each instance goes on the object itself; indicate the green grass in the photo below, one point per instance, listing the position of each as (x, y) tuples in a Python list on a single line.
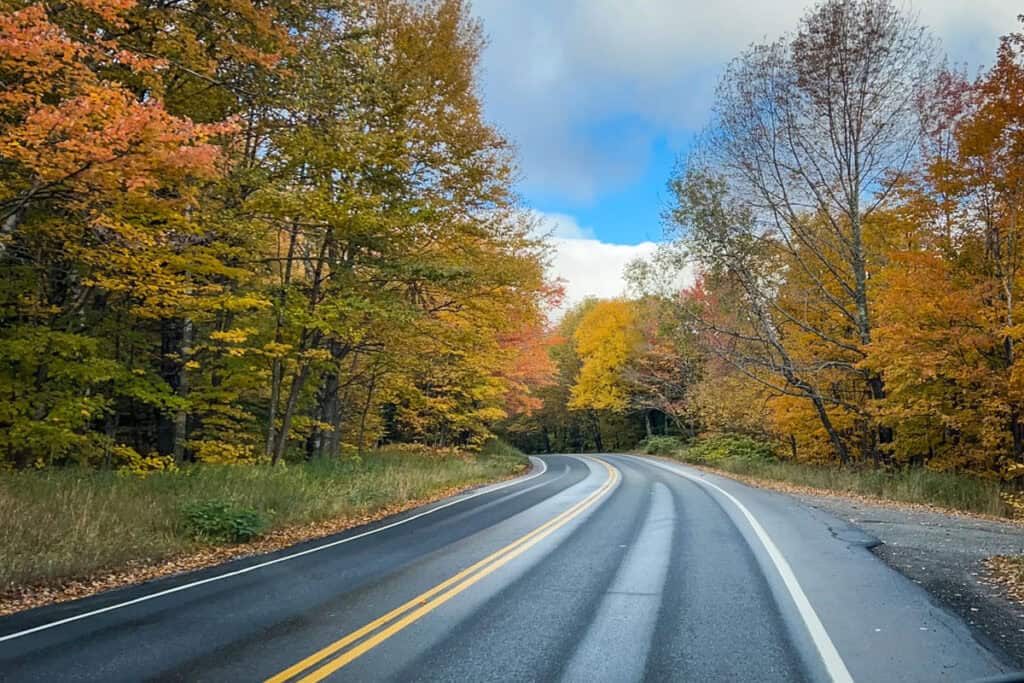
[(747, 457), (67, 523)]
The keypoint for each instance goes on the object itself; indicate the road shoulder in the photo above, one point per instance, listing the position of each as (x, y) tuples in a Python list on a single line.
[(884, 625), (945, 554), (943, 551)]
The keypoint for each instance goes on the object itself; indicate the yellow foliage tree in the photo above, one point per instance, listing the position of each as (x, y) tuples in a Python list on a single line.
[(605, 340)]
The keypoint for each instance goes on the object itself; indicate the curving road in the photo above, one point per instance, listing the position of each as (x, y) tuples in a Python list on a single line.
[(609, 568)]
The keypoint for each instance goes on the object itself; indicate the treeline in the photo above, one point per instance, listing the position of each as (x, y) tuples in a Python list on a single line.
[(852, 218), (624, 370), (239, 230)]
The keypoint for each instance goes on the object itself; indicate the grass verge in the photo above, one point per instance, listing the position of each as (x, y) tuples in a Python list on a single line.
[(74, 528), (748, 458)]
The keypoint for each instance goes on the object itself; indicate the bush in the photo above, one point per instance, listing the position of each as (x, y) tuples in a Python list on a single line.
[(501, 448), (733, 446), (662, 445), (222, 522)]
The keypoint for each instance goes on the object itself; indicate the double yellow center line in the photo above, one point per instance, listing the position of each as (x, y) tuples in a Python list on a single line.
[(356, 643)]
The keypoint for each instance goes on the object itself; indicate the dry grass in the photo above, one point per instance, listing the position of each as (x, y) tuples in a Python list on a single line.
[(746, 458), (66, 524)]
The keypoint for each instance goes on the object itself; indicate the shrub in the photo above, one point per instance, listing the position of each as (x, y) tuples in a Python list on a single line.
[(662, 445), (500, 448), (222, 522), (734, 446)]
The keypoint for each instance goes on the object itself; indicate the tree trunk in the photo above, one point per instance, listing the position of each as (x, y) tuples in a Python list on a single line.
[(298, 381), (181, 417), (596, 426), (309, 341), (277, 368), (276, 373), (327, 409), (833, 435), (333, 447), (366, 411), (172, 361)]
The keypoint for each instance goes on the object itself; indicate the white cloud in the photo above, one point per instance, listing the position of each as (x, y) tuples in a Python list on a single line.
[(586, 265), (585, 86), (590, 267), (562, 225)]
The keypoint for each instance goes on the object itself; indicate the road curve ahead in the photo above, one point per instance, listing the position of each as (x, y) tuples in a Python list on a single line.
[(606, 568)]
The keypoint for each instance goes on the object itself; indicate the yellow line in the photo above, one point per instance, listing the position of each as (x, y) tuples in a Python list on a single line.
[(370, 643), (423, 601)]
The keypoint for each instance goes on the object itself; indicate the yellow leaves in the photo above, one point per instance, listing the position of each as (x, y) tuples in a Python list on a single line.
[(131, 463), (605, 339), (316, 355), (222, 452), (235, 336), (277, 350)]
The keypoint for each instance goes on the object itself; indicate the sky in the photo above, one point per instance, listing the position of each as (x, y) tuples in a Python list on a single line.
[(602, 97)]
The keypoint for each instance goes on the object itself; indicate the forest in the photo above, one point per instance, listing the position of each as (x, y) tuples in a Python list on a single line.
[(237, 231), (842, 269), (259, 232)]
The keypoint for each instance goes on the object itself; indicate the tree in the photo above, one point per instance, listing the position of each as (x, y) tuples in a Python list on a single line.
[(246, 217), (810, 137), (97, 192), (605, 340), (950, 294)]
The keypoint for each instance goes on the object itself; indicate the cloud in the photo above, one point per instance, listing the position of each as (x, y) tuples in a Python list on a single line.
[(590, 267), (586, 265), (560, 225), (586, 87)]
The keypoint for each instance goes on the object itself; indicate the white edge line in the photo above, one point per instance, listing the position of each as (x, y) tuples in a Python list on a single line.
[(826, 648), (276, 560)]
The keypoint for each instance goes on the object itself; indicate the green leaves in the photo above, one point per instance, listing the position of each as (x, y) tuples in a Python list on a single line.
[(218, 521)]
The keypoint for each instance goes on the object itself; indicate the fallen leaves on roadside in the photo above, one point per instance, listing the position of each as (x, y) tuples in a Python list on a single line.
[(1007, 571)]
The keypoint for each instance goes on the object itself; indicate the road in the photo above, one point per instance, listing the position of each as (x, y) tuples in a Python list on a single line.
[(609, 568)]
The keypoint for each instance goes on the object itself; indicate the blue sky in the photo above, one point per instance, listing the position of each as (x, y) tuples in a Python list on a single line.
[(626, 212), (602, 96)]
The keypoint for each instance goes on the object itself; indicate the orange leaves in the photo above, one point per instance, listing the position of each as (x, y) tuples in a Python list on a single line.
[(39, 55), (103, 140), (108, 10), (950, 293), (529, 368), (75, 131)]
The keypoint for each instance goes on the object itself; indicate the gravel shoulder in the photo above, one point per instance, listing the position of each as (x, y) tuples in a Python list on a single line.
[(945, 554)]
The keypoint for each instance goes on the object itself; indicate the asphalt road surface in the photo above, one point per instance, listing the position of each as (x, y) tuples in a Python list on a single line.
[(609, 568)]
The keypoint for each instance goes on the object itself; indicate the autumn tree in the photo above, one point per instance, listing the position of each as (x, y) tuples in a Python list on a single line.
[(950, 315), (253, 217), (98, 189), (810, 137)]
